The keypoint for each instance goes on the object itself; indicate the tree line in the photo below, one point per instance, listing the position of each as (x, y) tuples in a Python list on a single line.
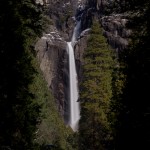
[(134, 117), (20, 25), (114, 94), (96, 92)]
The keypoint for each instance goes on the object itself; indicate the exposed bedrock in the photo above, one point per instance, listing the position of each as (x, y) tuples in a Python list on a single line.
[(52, 47), (115, 30), (53, 60), (79, 49)]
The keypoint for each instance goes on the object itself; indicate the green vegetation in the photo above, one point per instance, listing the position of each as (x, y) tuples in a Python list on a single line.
[(130, 105), (114, 95), (28, 116), (95, 130), (51, 128), (133, 131), (19, 111)]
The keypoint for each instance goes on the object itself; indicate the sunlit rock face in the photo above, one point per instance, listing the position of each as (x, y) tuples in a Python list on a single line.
[(51, 48), (52, 57)]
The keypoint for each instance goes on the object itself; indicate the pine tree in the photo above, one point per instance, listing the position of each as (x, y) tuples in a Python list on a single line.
[(134, 118), (96, 93), (19, 111)]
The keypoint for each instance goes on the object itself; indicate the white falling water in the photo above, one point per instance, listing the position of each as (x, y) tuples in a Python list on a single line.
[(74, 105)]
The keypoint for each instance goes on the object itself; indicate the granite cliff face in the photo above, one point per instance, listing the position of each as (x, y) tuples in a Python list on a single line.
[(79, 48), (52, 57), (113, 24), (51, 48), (115, 30)]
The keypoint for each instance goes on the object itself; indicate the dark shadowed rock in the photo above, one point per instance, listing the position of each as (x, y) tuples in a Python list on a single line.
[(115, 30), (79, 48)]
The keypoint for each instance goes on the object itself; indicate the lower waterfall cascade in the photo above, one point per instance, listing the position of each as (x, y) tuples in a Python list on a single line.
[(74, 104)]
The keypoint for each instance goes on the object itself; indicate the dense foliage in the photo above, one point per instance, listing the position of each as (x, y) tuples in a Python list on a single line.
[(18, 112), (130, 106), (95, 130), (134, 118), (51, 130), (114, 97), (28, 116)]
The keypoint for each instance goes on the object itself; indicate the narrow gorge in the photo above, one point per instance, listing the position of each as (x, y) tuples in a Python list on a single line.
[(74, 75), (79, 16), (51, 48), (68, 37)]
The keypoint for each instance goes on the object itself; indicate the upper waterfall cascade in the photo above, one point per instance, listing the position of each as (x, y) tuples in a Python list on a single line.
[(74, 105)]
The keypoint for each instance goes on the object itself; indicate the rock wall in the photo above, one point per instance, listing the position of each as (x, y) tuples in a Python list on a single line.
[(61, 12), (114, 24), (79, 49), (114, 28), (115, 31), (53, 61), (52, 48)]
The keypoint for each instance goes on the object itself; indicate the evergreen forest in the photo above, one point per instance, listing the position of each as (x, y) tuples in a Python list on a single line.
[(29, 119), (114, 92)]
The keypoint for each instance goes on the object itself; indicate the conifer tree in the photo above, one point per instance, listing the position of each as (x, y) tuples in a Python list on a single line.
[(134, 117), (96, 93), (19, 112)]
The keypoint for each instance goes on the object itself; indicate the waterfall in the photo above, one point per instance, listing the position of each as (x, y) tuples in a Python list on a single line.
[(74, 105), (76, 32)]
